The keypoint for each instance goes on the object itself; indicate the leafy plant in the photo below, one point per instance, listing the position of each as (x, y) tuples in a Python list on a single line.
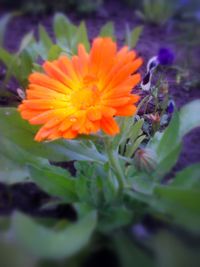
[(118, 180), (157, 11), (67, 36)]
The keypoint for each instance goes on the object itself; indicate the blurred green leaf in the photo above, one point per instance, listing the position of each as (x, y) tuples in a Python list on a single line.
[(5, 56), (167, 147), (188, 177), (171, 251), (169, 139), (179, 205), (166, 164), (14, 160), (22, 134), (64, 30), (44, 38), (157, 11), (11, 172), (113, 218), (26, 41), (45, 42), (83, 36), (25, 68), (189, 117), (185, 198), (131, 147), (55, 181), (129, 253), (132, 37), (50, 243), (107, 30), (54, 52)]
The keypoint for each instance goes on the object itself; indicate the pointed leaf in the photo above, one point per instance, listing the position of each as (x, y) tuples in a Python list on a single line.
[(49, 243), (108, 30), (55, 181), (189, 117)]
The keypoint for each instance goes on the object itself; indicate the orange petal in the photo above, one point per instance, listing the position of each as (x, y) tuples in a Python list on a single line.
[(45, 81), (109, 126), (126, 110)]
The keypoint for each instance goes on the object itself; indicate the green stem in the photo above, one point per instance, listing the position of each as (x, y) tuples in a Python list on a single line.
[(115, 165)]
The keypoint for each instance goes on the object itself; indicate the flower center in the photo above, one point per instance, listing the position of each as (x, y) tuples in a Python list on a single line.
[(85, 97)]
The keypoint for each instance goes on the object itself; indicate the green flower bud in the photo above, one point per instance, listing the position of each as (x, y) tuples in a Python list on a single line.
[(145, 160)]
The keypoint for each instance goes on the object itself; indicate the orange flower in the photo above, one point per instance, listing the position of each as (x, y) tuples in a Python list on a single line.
[(83, 94)]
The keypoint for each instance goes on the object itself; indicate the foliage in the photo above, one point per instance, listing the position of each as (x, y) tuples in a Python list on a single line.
[(157, 11), (160, 11), (67, 36)]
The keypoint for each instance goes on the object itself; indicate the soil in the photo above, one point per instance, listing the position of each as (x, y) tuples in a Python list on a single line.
[(27, 197)]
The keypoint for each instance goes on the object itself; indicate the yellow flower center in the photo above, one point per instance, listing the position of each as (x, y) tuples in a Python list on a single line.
[(87, 96)]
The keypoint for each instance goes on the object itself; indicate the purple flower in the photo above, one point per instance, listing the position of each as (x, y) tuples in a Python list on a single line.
[(165, 56), (170, 107)]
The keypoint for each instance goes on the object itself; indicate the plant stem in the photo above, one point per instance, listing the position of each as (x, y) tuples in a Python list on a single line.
[(115, 165)]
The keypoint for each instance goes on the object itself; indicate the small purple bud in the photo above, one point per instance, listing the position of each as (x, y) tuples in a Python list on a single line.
[(140, 231), (170, 107), (165, 56)]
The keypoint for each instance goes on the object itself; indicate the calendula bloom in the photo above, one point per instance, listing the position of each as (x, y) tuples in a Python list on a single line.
[(82, 95)]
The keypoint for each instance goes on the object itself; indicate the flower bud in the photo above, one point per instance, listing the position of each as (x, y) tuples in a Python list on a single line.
[(155, 118), (165, 56), (145, 160)]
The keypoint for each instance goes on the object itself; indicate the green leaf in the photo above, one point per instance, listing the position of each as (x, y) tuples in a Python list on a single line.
[(167, 147), (26, 41), (188, 199), (22, 134), (17, 130), (129, 253), (168, 144), (54, 52), (113, 218), (188, 177), (142, 183), (48, 243), (132, 37), (131, 147), (45, 43), (172, 251), (179, 205), (25, 68), (83, 36), (13, 163), (65, 31), (5, 56), (189, 117), (169, 139), (55, 181), (11, 172), (107, 30), (44, 38), (166, 164)]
